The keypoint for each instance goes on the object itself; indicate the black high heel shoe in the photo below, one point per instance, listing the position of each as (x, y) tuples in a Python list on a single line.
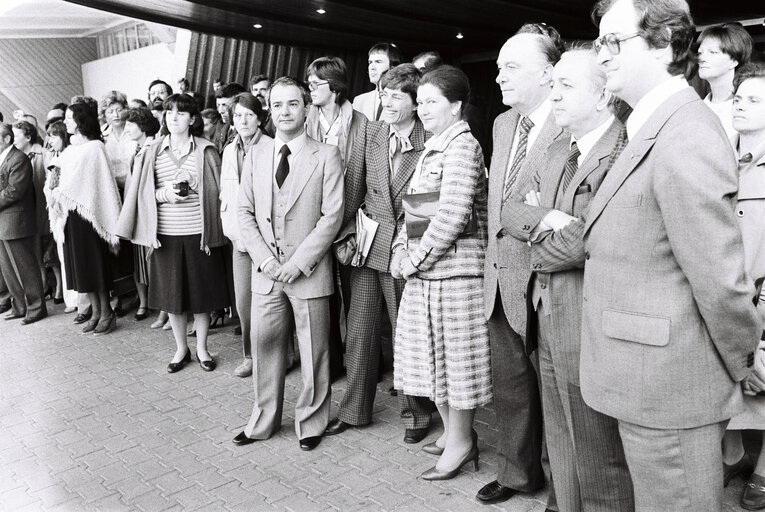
[(435, 474), (174, 367), (218, 314)]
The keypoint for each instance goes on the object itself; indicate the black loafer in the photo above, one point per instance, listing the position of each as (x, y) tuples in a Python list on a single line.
[(174, 367), (415, 435), (309, 443), (208, 365), (494, 492), (336, 426), (241, 439)]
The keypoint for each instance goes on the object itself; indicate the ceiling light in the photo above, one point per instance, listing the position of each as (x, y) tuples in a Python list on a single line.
[(320, 11), (459, 35), (257, 25)]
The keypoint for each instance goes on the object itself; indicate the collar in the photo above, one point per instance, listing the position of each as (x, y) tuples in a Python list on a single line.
[(240, 145), (649, 103), (757, 156), (539, 116), (295, 144), (166, 145), (4, 154), (587, 141), (440, 142)]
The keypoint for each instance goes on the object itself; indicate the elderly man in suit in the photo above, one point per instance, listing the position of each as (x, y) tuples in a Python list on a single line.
[(586, 454), (18, 228), (379, 171), (290, 209), (382, 57), (668, 323), (521, 137)]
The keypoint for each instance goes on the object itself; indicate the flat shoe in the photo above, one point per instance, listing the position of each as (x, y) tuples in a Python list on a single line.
[(207, 365), (743, 467), (494, 492), (90, 325), (753, 495), (174, 367), (105, 325), (81, 318), (244, 369)]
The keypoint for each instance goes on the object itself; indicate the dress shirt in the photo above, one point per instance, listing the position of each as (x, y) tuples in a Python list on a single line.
[(649, 103), (406, 145), (588, 140), (538, 117), (330, 132)]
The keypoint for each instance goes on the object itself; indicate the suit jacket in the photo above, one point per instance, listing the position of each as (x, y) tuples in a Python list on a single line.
[(668, 324), (507, 259), (557, 259), (352, 121), (18, 217), (750, 212), (314, 213), (368, 182), (365, 103)]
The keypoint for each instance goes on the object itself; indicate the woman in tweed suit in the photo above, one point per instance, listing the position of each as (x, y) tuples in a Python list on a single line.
[(442, 340)]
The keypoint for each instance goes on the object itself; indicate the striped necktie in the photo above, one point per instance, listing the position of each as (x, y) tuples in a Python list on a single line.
[(520, 154), (571, 166)]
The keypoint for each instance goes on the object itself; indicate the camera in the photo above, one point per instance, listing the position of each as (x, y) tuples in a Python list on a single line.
[(181, 188)]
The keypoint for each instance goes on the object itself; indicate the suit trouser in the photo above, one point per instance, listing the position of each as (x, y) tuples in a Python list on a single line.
[(586, 455), (241, 266), (678, 470), (271, 334), (363, 349), (5, 295), (517, 406), (339, 302), (21, 274)]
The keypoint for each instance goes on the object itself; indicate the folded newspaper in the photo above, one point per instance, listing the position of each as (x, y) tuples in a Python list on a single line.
[(366, 229)]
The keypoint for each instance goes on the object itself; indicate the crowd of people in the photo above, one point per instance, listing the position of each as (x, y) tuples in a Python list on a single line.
[(601, 279)]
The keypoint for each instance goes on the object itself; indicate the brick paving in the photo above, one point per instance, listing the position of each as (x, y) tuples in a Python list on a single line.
[(98, 424)]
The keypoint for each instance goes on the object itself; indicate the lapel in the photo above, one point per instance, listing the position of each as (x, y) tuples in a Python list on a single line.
[(634, 153), (302, 168), (409, 160), (554, 157), (379, 165), (537, 154), (262, 176), (607, 148), (504, 140)]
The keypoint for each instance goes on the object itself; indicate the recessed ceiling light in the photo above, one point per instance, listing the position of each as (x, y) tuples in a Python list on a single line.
[(320, 11), (257, 25), (459, 35)]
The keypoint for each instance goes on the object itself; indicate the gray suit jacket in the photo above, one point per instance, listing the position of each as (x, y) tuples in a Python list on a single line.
[(507, 259), (668, 324), (314, 213), (18, 218)]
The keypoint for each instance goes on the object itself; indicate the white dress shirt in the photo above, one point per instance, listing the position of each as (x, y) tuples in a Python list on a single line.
[(649, 103)]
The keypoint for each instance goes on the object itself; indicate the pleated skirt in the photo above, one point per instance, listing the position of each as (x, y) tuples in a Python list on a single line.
[(442, 342)]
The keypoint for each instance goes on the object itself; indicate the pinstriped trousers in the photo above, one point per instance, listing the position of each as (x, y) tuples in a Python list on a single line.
[(362, 349), (586, 454)]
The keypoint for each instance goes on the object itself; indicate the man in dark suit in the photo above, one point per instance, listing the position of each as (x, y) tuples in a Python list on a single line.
[(381, 165), (18, 227), (521, 137), (586, 454), (668, 322)]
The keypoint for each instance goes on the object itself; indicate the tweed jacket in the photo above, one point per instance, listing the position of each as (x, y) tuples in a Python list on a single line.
[(365, 103), (368, 183), (507, 259), (557, 259), (352, 122), (18, 218), (452, 163), (313, 216), (668, 323)]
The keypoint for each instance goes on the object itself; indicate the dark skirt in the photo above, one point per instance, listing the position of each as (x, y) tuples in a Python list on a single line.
[(184, 279), (88, 262)]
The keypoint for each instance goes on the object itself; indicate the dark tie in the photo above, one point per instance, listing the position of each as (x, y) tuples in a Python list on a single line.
[(379, 111), (284, 166), (520, 155), (571, 166)]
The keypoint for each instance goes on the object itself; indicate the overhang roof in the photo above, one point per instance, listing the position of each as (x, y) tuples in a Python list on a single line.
[(415, 25)]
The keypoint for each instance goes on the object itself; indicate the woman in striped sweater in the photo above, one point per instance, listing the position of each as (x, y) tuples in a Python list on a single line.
[(172, 205)]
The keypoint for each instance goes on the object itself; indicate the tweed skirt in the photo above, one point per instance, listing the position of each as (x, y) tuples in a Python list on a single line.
[(182, 278), (442, 343)]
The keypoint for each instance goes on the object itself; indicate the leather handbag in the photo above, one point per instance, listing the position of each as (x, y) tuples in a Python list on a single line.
[(420, 208)]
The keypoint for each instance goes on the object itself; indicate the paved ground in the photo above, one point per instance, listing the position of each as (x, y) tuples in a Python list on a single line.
[(97, 424)]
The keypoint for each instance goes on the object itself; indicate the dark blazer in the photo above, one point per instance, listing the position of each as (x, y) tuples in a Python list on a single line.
[(367, 181), (18, 217), (668, 324)]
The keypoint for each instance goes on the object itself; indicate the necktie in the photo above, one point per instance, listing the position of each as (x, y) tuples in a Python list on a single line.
[(284, 166), (571, 166), (379, 111), (520, 155)]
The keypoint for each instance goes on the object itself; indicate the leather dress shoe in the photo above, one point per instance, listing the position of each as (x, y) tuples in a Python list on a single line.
[(415, 435), (241, 439), (14, 316), (336, 426), (32, 319), (753, 496), (5, 307), (208, 365), (174, 367), (494, 492), (743, 468), (309, 443)]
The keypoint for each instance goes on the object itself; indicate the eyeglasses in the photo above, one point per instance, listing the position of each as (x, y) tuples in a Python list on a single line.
[(315, 85), (612, 42)]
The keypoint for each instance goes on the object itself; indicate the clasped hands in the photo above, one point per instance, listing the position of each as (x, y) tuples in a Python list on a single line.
[(286, 273), (401, 267), (755, 383), (555, 220)]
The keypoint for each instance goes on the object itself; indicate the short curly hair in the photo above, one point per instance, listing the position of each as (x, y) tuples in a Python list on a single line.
[(142, 117)]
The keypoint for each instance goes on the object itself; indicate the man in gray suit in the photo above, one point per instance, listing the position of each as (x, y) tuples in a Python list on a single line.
[(521, 137), (18, 227), (668, 323), (290, 209), (586, 454)]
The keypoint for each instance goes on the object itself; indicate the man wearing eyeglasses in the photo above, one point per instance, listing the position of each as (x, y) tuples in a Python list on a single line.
[(668, 325)]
